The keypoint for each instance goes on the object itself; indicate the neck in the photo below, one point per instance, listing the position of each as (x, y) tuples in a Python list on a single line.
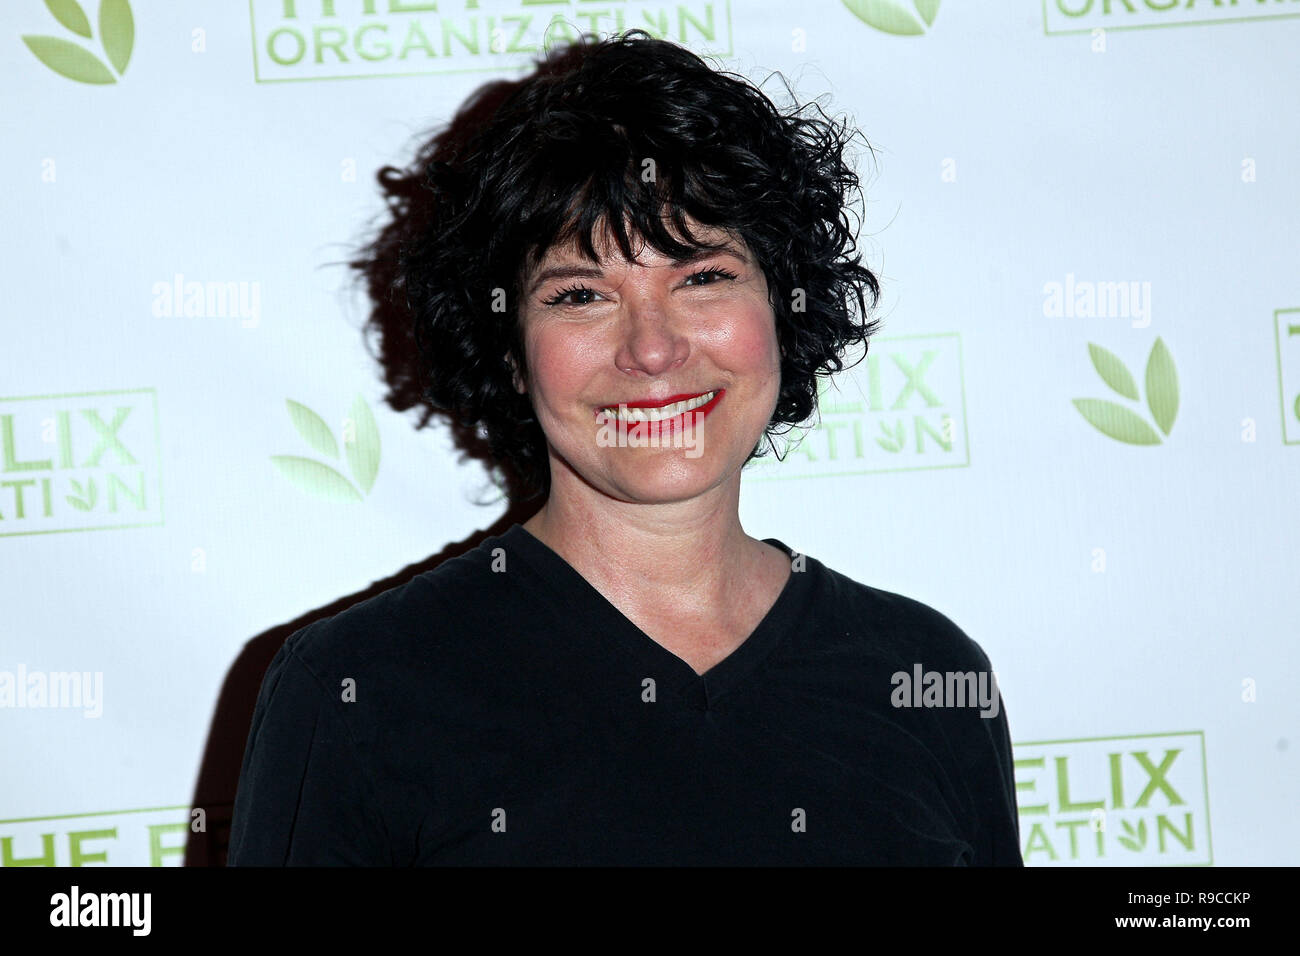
[(677, 559)]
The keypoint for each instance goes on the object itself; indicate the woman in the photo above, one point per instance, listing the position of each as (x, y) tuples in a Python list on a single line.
[(626, 279)]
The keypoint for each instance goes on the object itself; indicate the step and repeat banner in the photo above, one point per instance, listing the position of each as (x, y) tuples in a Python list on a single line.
[(1077, 434)]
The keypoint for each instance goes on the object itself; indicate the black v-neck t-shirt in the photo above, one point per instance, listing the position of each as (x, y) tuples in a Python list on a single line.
[(499, 710)]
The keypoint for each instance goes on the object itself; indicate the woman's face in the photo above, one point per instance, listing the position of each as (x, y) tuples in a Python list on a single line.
[(598, 335)]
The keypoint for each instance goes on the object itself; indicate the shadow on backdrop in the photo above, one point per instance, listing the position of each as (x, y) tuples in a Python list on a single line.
[(398, 356)]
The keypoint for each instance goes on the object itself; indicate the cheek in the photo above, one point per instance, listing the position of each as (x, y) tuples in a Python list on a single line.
[(562, 360), (748, 342)]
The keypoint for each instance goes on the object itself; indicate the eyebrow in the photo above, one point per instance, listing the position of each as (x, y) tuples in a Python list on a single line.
[(593, 272)]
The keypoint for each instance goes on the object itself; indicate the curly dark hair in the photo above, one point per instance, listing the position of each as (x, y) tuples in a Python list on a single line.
[(548, 159)]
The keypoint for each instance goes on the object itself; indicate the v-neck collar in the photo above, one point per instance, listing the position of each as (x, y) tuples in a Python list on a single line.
[(671, 673)]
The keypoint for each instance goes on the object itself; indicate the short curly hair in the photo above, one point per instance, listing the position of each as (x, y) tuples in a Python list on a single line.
[(562, 153)]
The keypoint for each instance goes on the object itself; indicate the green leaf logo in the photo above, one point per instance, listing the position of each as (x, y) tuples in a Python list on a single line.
[(313, 428), (1162, 387), (85, 498), (1119, 422), (1136, 837), (894, 439), (360, 443), (1113, 371), (899, 17), (116, 37)]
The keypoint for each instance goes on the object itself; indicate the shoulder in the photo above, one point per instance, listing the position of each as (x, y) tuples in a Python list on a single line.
[(901, 627), (412, 620)]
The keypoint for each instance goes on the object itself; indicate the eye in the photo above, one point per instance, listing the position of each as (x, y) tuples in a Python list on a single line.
[(710, 272), (579, 290), (585, 296)]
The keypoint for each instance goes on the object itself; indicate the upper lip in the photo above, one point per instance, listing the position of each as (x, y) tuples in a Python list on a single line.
[(660, 402)]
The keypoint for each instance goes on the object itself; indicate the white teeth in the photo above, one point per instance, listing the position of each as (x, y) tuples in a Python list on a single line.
[(624, 414)]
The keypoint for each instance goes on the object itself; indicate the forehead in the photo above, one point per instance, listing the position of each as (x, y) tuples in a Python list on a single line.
[(606, 246)]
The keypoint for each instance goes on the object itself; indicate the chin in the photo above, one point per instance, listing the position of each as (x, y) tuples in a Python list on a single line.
[(665, 480)]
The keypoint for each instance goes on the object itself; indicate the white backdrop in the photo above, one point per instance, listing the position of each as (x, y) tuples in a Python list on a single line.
[(1063, 207)]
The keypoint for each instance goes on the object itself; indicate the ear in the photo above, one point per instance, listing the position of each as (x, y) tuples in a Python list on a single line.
[(514, 374)]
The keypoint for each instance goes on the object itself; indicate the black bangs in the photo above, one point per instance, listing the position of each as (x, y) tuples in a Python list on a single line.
[(606, 187)]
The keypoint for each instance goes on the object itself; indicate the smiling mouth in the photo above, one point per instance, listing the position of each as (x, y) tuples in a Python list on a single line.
[(627, 413)]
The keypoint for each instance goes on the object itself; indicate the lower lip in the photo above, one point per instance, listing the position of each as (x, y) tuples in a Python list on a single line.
[(667, 426)]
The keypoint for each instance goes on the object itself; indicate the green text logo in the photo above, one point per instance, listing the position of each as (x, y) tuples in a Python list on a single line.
[(1084, 16), (901, 408), (80, 461), (329, 39), (1286, 330), (360, 443), (1120, 422), (151, 837), (76, 61), (899, 17), (1141, 800)]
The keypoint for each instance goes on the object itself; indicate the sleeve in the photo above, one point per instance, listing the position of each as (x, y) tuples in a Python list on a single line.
[(998, 842), (981, 747), (304, 794)]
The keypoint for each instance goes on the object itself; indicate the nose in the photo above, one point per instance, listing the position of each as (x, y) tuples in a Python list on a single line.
[(651, 339)]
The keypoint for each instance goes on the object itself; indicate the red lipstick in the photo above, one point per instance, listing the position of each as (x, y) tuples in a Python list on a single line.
[(661, 402), (666, 426)]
